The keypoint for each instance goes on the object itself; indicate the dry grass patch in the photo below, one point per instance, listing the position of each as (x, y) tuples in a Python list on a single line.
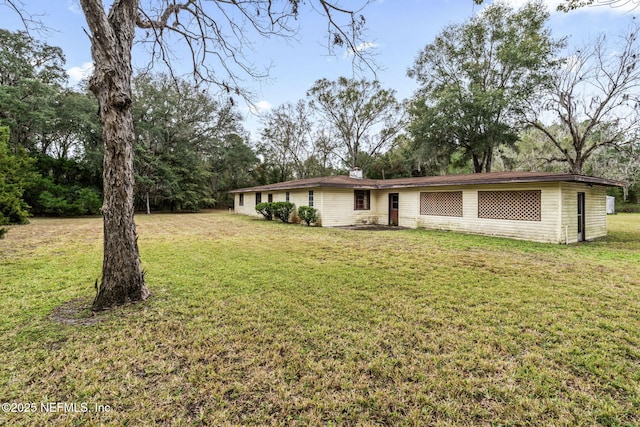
[(257, 323)]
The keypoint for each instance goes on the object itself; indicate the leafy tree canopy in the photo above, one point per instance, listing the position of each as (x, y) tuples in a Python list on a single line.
[(474, 79), (364, 116)]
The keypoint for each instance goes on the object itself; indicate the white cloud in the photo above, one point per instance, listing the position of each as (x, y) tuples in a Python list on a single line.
[(78, 73), (260, 107)]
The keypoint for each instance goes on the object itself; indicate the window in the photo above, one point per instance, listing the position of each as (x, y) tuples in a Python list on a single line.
[(270, 198), (241, 199), (361, 200), (522, 205), (286, 197), (441, 203), (258, 198), (311, 198)]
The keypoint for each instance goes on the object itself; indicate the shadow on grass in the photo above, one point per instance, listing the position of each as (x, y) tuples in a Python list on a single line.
[(76, 312)]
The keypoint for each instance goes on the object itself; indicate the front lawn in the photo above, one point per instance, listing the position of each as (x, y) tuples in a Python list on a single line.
[(263, 323)]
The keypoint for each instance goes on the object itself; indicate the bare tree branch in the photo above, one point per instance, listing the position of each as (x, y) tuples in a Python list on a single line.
[(576, 4), (217, 35), (30, 22), (594, 99)]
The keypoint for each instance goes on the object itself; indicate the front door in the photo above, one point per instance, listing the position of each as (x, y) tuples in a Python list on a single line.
[(393, 209), (581, 217)]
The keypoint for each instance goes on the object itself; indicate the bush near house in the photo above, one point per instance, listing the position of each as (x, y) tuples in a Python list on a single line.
[(308, 214), (283, 210), (265, 209)]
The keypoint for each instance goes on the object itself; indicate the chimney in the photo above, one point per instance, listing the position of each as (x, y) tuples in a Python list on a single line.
[(355, 173)]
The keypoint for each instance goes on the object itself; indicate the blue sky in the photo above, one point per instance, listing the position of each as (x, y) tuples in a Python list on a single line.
[(398, 29)]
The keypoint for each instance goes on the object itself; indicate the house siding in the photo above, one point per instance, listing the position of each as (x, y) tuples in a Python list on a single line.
[(545, 230), (249, 205), (557, 216), (595, 210), (338, 208)]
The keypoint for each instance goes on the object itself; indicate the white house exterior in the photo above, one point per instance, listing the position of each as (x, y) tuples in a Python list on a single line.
[(537, 206)]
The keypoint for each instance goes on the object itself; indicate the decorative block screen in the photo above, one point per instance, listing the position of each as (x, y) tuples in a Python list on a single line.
[(514, 205), (441, 203)]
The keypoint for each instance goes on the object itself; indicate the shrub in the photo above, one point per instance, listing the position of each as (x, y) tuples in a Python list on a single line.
[(283, 210), (627, 208), (65, 200), (308, 214), (13, 210), (16, 175), (3, 232), (53, 205), (266, 210), (88, 202)]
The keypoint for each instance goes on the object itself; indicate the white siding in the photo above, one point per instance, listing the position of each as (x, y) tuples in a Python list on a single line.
[(545, 230), (558, 214), (338, 208), (249, 205), (595, 209)]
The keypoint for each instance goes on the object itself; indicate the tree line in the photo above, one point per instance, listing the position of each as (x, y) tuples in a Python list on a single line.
[(497, 92), (190, 148)]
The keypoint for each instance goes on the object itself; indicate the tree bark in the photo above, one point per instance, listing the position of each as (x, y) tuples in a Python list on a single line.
[(111, 42), (477, 164), (122, 276), (488, 162)]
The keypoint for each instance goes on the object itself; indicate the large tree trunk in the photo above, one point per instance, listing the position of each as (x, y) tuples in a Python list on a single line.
[(576, 165), (111, 42), (122, 277), (477, 163), (488, 161)]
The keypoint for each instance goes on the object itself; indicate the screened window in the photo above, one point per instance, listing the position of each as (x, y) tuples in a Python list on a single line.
[(524, 205), (441, 203), (311, 198), (361, 200), (286, 197), (270, 198), (241, 199), (258, 198)]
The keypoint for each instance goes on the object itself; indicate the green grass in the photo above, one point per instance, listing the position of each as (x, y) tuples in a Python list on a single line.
[(257, 323)]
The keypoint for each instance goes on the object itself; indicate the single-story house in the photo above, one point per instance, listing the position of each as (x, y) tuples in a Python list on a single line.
[(537, 206)]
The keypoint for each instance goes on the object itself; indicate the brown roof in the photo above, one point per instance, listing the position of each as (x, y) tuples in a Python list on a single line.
[(341, 181)]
